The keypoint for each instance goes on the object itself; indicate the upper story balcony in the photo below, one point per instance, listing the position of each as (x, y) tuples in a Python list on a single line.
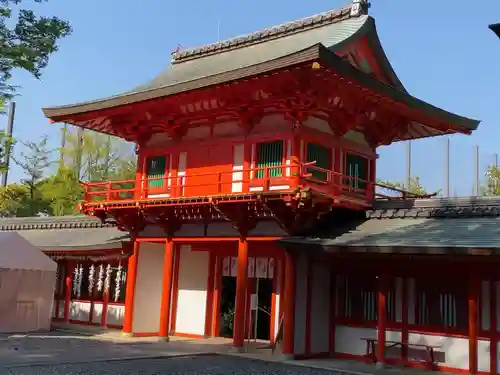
[(276, 181)]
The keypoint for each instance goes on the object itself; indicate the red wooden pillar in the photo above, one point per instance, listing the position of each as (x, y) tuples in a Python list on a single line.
[(166, 295), (295, 161), (473, 299), (130, 290), (241, 294), (404, 319), (333, 311), (493, 327), (217, 296), (289, 306), (212, 261), (382, 318), (68, 287)]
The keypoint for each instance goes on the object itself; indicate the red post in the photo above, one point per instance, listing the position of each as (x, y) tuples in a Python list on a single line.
[(241, 289), (130, 290), (289, 306), (382, 318), (473, 299), (404, 319), (168, 266), (333, 311), (68, 288), (493, 327)]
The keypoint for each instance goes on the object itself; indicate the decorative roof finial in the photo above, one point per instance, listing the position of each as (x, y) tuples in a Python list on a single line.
[(359, 7), (177, 49)]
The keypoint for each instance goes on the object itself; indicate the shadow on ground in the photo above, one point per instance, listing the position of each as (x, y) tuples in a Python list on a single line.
[(69, 347)]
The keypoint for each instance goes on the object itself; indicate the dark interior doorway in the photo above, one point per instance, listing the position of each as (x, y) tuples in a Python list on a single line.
[(264, 289), (227, 306)]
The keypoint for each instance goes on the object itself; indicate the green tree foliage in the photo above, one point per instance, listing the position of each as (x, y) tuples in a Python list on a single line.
[(491, 186), (62, 192), (34, 161), (94, 158), (26, 41), (6, 144), (415, 187), (14, 201)]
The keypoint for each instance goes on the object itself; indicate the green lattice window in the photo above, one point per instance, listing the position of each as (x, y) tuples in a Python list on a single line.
[(270, 154), (357, 167), (156, 167), (322, 156)]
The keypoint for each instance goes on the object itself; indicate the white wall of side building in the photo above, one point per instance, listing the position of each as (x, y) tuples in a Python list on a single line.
[(453, 352), (192, 293), (148, 288)]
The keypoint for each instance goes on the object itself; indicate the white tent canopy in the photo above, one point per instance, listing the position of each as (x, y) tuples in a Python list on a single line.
[(27, 282)]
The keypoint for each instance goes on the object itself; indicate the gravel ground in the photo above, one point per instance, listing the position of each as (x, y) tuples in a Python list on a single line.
[(199, 365)]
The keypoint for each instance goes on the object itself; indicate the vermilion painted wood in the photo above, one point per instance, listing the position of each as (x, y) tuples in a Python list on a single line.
[(309, 291), (212, 261), (289, 305), (473, 303), (241, 294), (168, 266), (130, 289), (382, 316), (493, 327)]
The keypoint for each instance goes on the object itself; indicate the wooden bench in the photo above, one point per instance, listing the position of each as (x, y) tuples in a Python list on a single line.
[(429, 361)]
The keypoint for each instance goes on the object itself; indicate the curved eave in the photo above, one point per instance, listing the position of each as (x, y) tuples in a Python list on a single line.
[(495, 28), (369, 29), (317, 52)]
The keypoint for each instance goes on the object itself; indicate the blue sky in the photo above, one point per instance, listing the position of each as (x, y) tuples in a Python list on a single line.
[(442, 51)]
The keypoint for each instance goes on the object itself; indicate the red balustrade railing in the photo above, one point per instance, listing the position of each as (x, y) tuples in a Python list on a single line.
[(236, 182)]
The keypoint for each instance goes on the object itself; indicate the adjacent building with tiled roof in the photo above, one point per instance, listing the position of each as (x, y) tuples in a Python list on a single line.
[(66, 233), (417, 225)]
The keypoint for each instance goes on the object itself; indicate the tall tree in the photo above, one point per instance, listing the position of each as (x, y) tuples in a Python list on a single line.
[(62, 192), (26, 41), (6, 143), (97, 157), (34, 161), (15, 201)]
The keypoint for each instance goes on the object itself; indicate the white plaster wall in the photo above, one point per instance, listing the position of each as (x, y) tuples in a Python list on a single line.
[(483, 357), (79, 311), (61, 309), (115, 315), (348, 340), (97, 313), (238, 161), (148, 288), (455, 349), (192, 296), (300, 304), (320, 307)]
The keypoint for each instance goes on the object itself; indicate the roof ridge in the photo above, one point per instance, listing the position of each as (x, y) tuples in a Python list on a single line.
[(356, 9), (50, 222)]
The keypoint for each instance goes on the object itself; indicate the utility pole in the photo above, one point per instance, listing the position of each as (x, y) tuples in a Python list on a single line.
[(447, 167), (8, 148), (408, 164), (476, 170)]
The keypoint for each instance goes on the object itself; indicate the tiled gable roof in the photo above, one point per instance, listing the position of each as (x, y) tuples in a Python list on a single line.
[(453, 207), (285, 29), (50, 222)]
